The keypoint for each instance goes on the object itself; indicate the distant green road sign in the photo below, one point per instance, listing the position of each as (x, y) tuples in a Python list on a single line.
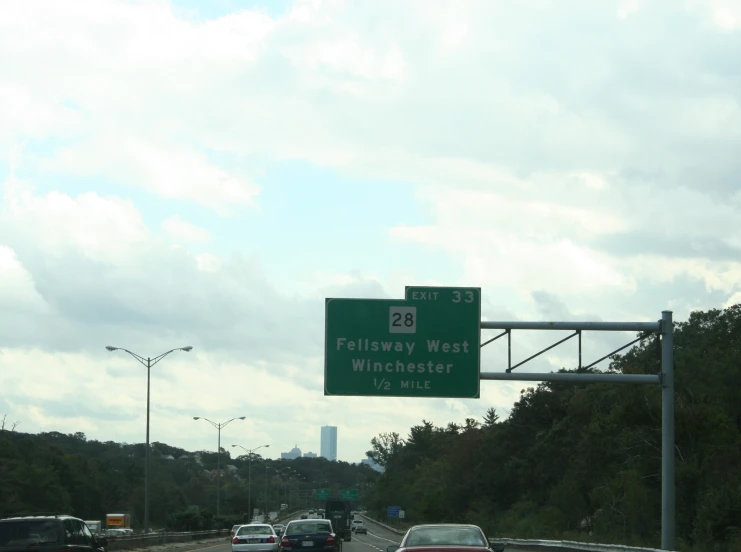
[(322, 494), (349, 494), (426, 345)]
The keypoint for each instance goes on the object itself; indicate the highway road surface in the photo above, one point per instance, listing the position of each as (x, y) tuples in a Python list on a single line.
[(377, 539)]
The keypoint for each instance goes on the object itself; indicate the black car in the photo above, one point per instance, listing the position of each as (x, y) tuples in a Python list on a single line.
[(48, 533), (311, 535)]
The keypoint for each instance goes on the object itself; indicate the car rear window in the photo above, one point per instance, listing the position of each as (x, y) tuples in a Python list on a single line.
[(307, 528), (255, 530), (451, 536), (29, 532)]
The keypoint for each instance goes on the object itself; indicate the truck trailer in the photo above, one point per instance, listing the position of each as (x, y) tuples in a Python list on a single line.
[(338, 512), (118, 521)]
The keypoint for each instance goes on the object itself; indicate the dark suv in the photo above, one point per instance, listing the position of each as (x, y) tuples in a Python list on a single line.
[(48, 533)]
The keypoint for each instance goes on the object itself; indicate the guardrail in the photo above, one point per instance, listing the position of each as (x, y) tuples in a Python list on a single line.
[(544, 545), (164, 537), (387, 527), (569, 546)]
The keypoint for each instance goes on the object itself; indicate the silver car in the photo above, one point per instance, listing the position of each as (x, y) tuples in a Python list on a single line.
[(257, 537)]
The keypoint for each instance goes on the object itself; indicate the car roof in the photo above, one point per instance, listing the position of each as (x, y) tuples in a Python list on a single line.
[(59, 516), (446, 525)]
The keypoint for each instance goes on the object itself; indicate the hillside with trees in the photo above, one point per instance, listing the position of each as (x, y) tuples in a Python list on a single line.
[(71, 474), (583, 462)]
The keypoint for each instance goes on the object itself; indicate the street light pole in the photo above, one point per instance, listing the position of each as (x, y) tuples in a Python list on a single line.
[(284, 473), (148, 362), (249, 474), (277, 485), (218, 427)]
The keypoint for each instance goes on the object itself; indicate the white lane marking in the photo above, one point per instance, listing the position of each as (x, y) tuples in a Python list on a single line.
[(206, 548), (384, 538), (356, 539)]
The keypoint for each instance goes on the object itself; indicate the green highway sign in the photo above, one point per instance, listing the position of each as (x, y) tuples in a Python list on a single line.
[(350, 494), (425, 345), (322, 494)]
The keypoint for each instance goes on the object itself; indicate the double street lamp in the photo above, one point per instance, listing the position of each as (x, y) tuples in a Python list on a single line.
[(250, 452), (219, 427), (148, 362)]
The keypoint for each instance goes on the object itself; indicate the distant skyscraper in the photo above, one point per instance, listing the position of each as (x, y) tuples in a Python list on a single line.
[(329, 443)]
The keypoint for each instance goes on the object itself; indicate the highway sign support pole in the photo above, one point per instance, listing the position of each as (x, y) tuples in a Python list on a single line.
[(663, 328), (668, 506)]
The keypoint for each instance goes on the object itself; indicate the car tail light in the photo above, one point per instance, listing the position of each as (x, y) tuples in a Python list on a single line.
[(235, 540), (271, 539), (330, 540), (285, 543)]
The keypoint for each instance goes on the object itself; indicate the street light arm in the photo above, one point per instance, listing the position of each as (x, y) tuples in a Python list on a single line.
[(149, 362), (207, 420), (244, 449), (230, 421), (250, 452), (137, 357), (156, 359)]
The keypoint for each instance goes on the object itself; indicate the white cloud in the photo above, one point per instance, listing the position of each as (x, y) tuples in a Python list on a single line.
[(165, 170), (180, 229), (502, 98), (585, 248)]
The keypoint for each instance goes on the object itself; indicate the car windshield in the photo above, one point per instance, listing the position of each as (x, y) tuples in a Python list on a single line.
[(307, 528), (450, 536), (255, 530), (29, 532)]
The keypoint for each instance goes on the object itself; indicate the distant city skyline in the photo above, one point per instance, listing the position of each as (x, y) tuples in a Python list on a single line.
[(292, 454), (328, 448)]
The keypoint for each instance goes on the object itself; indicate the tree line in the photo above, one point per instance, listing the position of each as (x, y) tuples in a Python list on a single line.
[(583, 461), (68, 473)]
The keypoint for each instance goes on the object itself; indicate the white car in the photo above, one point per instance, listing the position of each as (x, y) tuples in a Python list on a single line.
[(356, 523), (255, 538)]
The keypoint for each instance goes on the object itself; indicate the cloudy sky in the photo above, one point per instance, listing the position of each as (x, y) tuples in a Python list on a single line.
[(202, 173)]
